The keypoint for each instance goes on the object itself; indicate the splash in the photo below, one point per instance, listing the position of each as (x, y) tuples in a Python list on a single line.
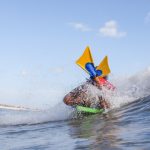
[(52, 109), (15, 117), (128, 89)]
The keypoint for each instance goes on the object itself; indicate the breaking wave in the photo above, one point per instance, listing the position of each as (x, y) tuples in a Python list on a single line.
[(128, 89)]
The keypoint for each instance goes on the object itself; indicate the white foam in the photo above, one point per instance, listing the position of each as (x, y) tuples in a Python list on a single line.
[(51, 107), (15, 117), (130, 88)]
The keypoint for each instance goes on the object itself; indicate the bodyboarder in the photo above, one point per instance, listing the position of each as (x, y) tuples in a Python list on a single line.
[(81, 96)]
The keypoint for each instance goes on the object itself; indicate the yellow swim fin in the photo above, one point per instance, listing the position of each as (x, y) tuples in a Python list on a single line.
[(85, 58), (104, 67)]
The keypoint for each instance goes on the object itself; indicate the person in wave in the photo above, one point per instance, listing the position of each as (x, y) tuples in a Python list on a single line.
[(82, 95), (91, 93)]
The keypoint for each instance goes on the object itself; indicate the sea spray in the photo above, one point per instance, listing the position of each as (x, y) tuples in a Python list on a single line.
[(128, 89)]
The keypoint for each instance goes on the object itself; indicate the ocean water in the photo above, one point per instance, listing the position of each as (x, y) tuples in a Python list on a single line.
[(125, 126)]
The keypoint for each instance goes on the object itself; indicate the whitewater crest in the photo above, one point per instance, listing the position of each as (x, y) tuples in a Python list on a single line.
[(131, 88), (128, 89)]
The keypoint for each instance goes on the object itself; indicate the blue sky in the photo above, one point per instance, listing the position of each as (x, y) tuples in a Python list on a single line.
[(41, 40)]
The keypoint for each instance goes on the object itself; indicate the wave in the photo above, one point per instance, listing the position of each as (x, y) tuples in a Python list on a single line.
[(131, 88), (29, 116), (128, 90)]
